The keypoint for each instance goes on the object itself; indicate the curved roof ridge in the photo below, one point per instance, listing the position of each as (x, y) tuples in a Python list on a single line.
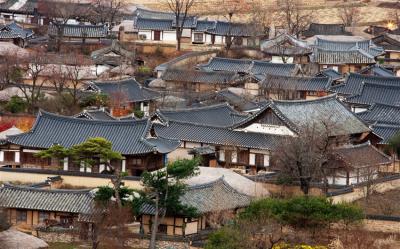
[(77, 120), (221, 180), (208, 107), (114, 81), (372, 76), (324, 98), (28, 188)]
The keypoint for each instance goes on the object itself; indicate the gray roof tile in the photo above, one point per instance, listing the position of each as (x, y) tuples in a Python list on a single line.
[(381, 113), (56, 200), (79, 31), (215, 135), (385, 131), (97, 114), (376, 93), (297, 83), (302, 113), (194, 76), (130, 87), (221, 115), (127, 137), (325, 29), (354, 83), (210, 197)]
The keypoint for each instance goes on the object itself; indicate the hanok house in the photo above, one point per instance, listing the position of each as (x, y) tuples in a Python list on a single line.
[(325, 29), (188, 81), (377, 70), (353, 84), (354, 164), (286, 49), (95, 114), (247, 145), (29, 207), (78, 33), (161, 27), (130, 138), (21, 11), (292, 87), (218, 115), (391, 44), (374, 93), (209, 198), (345, 56), (113, 55), (15, 33), (126, 96)]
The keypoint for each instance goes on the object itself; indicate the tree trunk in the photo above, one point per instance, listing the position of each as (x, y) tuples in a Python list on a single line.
[(154, 226), (178, 39), (304, 186)]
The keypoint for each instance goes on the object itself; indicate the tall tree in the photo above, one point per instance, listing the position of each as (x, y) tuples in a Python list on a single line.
[(293, 18), (303, 157), (232, 8), (181, 9), (32, 66), (165, 187), (60, 12), (108, 11), (349, 16)]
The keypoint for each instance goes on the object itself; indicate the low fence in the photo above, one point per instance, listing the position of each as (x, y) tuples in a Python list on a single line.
[(75, 179)]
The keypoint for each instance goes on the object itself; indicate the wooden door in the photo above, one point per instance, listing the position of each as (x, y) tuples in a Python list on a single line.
[(157, 35)]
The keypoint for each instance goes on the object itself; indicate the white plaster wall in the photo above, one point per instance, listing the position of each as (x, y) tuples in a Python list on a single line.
[(169, 36), (147, 33)]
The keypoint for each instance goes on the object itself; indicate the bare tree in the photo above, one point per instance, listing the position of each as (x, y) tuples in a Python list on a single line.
[(303, 157), (349, 15), (232, 8), (108, 11), (9, 71), (32, 66), (59, 13), (293, 17), (109, 226), (181, 9)]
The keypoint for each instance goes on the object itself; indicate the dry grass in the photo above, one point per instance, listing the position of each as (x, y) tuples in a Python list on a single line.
[(387, 203)]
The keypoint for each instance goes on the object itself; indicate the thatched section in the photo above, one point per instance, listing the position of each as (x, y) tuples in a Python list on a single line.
[(13, 239)]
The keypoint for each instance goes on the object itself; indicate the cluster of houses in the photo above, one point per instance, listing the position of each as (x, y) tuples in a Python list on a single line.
[(235, 114)]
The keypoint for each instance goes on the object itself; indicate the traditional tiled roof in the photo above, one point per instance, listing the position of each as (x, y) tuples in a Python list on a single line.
[(118, 54), (297, 83), (376, 93), (127, 137), (331, 73), (215, 135), (381, 113), (360, 156), (285, 44), (377, 70), (354, 83), (156, 20), (303, 113), (222, 28), (253, 67), (13, 30), (264, 68), (220, 115), (80, 31), (27, 6), (164, 145), (385, 131), (227, 64), (204, 25), (153, 24), (345, 52), (97, 114), (326, 57), (237, 101), (130, 88), (55, 200), (388, 41), (210, 197), (325, 29), (195, 76), (351, 45)]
